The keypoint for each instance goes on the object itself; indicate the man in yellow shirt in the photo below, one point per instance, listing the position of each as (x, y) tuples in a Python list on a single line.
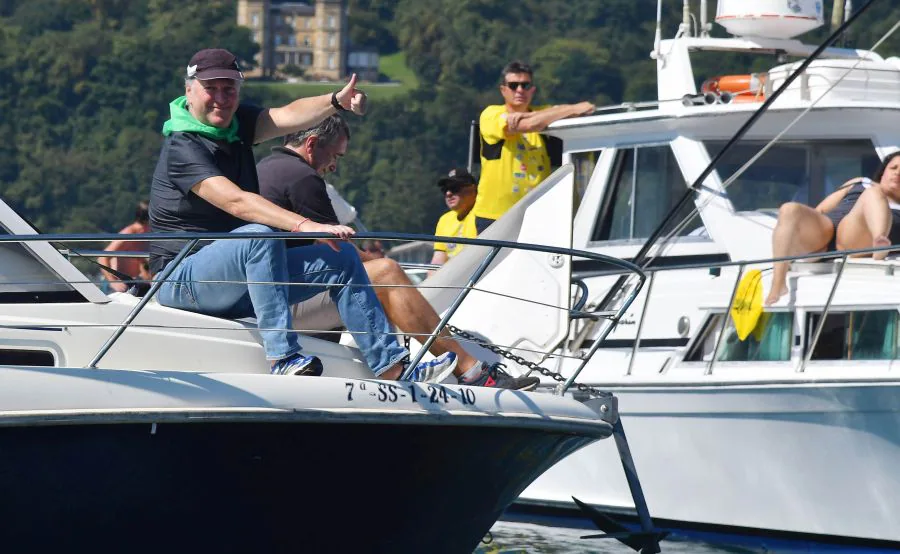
[(514, 157), (459, 189)]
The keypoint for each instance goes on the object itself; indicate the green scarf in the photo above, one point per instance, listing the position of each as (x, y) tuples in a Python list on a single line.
[(183, 122)]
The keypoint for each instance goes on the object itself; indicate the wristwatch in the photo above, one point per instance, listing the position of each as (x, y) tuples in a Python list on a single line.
[(336, 104)]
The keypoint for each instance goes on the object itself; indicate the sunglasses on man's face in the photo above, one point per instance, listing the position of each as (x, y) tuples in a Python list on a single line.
[(514, 85), (453, 189)]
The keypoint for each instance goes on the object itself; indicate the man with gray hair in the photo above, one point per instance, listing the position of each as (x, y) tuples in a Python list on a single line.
[(292, 179)]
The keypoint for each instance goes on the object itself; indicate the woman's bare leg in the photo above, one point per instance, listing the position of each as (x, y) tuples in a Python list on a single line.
[(800, 230), (868, 224)]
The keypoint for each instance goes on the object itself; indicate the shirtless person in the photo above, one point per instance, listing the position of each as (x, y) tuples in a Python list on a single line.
[(133, 267)]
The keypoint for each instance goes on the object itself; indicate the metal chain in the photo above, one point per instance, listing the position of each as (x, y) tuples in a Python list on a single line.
[(555, 375)]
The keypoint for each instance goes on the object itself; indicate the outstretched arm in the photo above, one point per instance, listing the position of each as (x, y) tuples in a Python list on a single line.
[(304, 113), (527, 122)]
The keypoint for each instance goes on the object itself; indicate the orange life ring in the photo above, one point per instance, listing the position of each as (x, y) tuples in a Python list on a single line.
[(743, 88)]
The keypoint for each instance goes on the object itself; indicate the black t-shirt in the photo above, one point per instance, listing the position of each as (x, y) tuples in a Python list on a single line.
[(287, 180), (186, 159)]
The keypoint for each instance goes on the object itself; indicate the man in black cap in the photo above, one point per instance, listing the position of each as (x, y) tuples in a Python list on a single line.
[(460, 189), (206, 181)]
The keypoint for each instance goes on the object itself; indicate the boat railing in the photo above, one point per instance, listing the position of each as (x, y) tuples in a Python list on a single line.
[(839, 258), (64, 244)]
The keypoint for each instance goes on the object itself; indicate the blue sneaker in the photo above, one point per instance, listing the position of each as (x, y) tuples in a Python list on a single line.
[(436, 370), (298, 364)]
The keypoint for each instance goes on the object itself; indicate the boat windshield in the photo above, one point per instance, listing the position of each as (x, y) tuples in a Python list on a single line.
[(23, 272), (792, 171), (646, 183)]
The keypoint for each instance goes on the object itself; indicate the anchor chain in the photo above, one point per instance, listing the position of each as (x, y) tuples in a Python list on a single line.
[(555, 375)]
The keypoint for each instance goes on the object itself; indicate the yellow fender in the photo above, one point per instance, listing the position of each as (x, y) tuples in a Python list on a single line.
[(748, 304)]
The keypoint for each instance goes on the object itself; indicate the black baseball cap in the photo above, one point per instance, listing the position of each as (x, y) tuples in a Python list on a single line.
[(457, 178), (214, 63)]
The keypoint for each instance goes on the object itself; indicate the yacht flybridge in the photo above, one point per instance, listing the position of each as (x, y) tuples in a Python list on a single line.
[(794, 432)]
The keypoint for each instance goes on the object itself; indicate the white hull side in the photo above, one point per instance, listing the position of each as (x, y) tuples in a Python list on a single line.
[(817, 459)]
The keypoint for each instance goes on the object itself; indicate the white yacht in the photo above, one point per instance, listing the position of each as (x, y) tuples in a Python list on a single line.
[(792, 434), (129, 426)]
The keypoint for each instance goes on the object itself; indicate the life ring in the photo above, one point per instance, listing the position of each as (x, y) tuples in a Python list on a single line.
[(742, 88)]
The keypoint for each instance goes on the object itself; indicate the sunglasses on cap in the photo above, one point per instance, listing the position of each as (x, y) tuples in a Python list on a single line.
[(514, 85)]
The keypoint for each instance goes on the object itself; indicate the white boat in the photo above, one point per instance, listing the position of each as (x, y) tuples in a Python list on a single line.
[(129, 426), (789, 438)]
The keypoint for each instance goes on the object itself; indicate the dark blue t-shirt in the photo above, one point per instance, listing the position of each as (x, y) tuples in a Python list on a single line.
[(186, 159)]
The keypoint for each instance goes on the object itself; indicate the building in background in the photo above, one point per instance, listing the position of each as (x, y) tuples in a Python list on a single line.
[(311, 36)]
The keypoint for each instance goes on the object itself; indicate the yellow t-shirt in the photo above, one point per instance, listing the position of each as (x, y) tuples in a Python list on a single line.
[(449, 226), (510, 166)]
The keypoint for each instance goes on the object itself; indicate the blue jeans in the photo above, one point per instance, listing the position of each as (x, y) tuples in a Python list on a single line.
[(266, 261)]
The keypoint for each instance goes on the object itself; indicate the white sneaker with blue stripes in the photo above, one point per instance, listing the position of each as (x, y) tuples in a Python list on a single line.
[(436, 370)]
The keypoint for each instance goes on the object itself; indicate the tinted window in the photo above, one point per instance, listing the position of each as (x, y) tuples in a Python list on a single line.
[(798, 171), (584, 163), (863, 335), (646, 183), (770, 341)]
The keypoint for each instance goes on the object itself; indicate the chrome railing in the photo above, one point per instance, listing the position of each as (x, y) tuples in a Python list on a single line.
[(494, 247), (839, 259)]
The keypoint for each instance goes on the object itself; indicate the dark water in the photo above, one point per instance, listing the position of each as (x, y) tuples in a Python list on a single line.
[(516, 537)]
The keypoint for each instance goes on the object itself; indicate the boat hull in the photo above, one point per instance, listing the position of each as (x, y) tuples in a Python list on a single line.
[(101, 460), (263, 486), (816, 459)]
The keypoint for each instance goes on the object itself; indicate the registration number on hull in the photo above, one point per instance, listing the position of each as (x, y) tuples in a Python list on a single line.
[(409, 392)]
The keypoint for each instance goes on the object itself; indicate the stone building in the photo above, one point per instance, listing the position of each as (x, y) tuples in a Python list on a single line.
[(311, 35)]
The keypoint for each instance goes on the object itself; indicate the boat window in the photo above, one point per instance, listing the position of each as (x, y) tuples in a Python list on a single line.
[(584, 163), (770, 341), (23, 273), (646, 183), (795, 171), (16, 356), (862, 335)]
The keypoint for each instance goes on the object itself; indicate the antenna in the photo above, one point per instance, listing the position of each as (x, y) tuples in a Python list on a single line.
[(657, 39), (685, 28), (705, 26)]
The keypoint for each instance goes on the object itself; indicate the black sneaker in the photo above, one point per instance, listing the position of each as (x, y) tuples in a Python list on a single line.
[(493, 376), (298, 364)]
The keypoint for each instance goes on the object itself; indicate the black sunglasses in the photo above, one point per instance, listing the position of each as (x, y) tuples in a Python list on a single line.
[(454, 188), (526, 85)]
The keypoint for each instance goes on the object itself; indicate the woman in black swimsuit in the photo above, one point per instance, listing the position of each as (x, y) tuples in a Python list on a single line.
[(857, 215)]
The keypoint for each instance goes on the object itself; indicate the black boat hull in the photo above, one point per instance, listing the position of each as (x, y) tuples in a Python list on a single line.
[(264, 486)]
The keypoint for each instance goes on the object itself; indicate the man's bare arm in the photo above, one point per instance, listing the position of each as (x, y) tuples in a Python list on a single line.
[(527, 122), (304, 113), (253, 208)]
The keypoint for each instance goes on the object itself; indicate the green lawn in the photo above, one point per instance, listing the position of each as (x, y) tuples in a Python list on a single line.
[(393, 66)]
